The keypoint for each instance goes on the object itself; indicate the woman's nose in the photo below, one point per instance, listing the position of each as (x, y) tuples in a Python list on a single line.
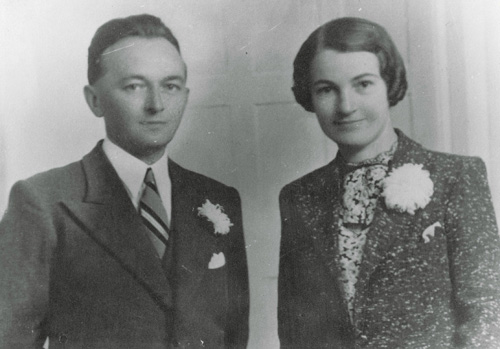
[(346, 103), (154, 103)]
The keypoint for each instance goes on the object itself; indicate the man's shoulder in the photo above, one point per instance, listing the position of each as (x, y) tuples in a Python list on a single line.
[(57, 177), (49, 187), (71, 174), (184, 176)]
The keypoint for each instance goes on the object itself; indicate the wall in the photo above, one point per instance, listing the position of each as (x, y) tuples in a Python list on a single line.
[(242, 125)]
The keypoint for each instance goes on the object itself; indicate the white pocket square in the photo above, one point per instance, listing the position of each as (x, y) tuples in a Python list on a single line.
[(430, 231), (218, 260)]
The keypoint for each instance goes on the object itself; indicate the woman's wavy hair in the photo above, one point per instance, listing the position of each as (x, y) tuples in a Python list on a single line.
[(111, 32), (350, 34)]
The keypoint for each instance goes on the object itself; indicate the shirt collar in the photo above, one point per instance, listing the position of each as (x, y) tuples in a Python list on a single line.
[(131, 170)]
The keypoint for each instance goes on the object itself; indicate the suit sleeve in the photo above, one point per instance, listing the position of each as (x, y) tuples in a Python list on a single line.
[(237, 331), (474, 252), (27, 239)]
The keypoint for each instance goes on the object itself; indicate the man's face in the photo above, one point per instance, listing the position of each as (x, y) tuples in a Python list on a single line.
[(141, 95)]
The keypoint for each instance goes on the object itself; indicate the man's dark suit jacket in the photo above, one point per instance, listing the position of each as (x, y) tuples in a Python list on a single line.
[(77, 266), (444, 293)]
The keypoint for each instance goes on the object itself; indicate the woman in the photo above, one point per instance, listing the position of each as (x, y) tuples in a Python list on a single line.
[(390, 245)]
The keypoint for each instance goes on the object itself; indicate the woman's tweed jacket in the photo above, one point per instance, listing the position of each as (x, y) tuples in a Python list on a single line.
[(410, 294)]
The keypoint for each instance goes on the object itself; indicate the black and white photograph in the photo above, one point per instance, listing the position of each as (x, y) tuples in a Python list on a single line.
[(250, 174)]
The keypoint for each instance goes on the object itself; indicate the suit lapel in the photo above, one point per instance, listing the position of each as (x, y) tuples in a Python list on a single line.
[(108, 216), (193, 243), (387, 225), (320, 210)]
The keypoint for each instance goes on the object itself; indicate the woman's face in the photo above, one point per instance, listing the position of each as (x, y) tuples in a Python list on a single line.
[(350, 100)]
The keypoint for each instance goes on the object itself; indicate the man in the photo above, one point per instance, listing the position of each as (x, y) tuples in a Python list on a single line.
[(125, 248)]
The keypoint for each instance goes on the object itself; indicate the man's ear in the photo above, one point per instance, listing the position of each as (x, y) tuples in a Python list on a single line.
[(93, 101)]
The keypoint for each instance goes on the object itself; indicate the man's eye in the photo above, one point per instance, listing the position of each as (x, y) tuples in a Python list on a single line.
[(172, 87), (133, 87)]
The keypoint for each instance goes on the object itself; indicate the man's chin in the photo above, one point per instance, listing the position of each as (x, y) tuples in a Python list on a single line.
[(150, 152)]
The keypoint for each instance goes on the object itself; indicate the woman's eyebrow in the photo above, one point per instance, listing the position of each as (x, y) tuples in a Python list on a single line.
[(324, 81), (357, 77), (366, 75)]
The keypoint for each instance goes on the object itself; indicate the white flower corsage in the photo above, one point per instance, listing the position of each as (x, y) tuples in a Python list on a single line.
[(215, 214), (408, 188)]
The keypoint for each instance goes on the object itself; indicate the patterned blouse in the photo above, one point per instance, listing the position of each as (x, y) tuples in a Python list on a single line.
[(362, 187)]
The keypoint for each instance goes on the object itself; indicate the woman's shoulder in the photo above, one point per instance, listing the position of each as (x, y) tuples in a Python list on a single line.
[(453, 162), (448, 170), (413, 152), (312, 181)]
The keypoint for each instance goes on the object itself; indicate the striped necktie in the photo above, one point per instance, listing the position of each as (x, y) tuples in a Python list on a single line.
[(153, 214)]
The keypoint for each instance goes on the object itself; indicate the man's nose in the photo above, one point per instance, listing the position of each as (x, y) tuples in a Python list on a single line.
[(346, 102), (154, 103)]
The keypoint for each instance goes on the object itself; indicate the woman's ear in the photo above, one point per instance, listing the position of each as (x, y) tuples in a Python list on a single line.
[(92, 98)]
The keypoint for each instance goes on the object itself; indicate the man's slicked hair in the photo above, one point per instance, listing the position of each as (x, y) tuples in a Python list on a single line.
[(111, 32)]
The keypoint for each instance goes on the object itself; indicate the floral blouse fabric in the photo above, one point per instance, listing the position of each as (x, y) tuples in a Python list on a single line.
[(351, 243), (362, 188)]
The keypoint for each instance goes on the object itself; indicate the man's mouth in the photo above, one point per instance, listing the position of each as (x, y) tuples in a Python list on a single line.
[(347, 122)]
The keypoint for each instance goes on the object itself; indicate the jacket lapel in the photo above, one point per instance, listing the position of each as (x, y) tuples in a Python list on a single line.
[(320, 210), (193, 243), (387, 225), (108, 216)]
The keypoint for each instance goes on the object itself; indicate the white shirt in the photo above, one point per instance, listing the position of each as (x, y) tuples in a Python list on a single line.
[(132, 171)]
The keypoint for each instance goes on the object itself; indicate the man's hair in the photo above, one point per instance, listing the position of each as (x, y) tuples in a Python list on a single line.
[(350, 34), (111, 32)]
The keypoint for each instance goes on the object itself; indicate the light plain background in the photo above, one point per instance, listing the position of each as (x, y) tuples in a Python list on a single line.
[(242, 125)]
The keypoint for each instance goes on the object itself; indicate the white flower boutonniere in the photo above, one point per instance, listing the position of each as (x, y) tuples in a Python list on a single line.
[(408, 188), (215, 214)]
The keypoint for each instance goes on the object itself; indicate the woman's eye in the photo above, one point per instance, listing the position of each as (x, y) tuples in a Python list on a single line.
[(365, 84)]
